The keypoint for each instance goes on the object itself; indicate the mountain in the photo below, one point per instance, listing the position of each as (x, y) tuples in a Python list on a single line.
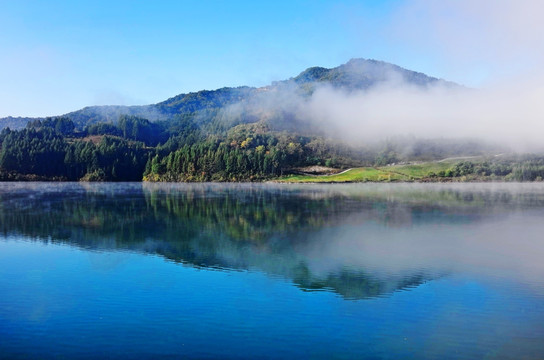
[(228, 134), (15, 122), (356, 74)]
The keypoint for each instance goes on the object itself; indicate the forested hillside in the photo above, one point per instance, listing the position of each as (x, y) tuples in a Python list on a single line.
[(177, 150), (229, 134)]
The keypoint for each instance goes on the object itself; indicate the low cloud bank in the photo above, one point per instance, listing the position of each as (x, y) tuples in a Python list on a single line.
[(510, 116)]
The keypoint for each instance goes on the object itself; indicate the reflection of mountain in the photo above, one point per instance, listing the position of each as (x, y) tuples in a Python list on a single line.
[(274, 229)]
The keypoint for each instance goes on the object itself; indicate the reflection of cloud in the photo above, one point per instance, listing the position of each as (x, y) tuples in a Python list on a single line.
[(506, 246)]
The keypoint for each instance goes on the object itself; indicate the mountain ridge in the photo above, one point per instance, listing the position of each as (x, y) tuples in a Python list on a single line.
[(357, 74)]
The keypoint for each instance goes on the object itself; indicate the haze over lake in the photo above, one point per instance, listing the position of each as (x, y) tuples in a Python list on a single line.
[(387, 271)]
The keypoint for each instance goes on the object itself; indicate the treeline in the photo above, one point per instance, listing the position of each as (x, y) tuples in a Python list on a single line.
[(54, 149), (192, 148), (524, 168), (180, 150), (45, 153), (249, 152)]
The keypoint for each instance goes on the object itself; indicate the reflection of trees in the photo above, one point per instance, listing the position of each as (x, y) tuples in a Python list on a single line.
[(233, 226)]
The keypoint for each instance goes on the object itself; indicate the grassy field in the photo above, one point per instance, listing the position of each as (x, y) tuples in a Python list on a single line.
[(418, 171), (412, 172)]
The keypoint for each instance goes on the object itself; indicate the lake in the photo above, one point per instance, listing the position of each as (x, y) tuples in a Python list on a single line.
[(365, 271)]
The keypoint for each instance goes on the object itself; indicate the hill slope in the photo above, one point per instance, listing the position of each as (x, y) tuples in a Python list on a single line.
[(357, 74), (228, 134)]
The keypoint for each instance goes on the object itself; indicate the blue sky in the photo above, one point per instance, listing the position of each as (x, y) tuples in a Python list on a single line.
[(58, 56)]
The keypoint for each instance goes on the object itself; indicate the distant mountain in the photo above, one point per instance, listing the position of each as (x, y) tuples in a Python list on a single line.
[(15, 123), (356, 74), (177, 105)]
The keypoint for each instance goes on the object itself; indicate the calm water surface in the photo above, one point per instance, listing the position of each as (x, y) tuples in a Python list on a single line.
[(366, 271)]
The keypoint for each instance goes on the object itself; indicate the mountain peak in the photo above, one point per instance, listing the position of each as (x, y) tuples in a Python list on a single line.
[(361, 74)]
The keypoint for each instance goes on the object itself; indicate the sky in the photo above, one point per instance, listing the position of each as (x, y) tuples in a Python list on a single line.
[(59, 56)]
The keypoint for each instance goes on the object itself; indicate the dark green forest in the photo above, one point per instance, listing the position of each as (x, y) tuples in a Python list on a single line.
[(178, 150), (186, 148)]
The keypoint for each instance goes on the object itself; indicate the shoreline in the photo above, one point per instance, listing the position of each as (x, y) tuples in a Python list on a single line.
[(275, 181)]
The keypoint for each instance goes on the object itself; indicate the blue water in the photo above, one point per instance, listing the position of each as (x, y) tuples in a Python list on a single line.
[(261, 271)]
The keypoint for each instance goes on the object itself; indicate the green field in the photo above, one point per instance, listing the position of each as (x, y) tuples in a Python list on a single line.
[(412, 172), (418, 171)]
